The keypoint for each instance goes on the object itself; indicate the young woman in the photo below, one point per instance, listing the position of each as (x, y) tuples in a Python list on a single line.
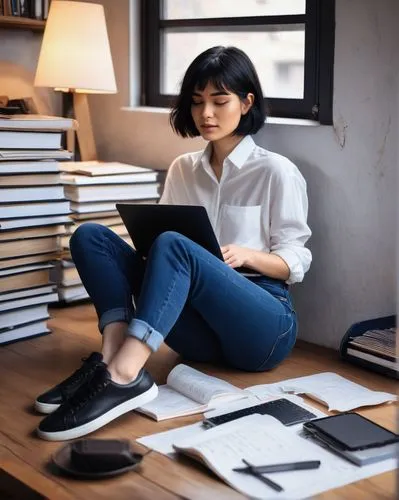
[(186, 297)]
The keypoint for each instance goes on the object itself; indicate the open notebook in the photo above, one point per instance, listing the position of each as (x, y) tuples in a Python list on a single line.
[(263, 440), (189, 391)]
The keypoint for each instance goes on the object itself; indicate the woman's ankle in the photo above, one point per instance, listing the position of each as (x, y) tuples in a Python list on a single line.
[(128, 361), (122, 375), (114, 335)]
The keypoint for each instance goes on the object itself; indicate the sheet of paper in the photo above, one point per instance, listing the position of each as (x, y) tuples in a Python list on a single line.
[(201, 387), (263, 440), (87, 180), (329, 388), (163, 441), (170, 403), (72, 166), (93, 168), (265, 391)]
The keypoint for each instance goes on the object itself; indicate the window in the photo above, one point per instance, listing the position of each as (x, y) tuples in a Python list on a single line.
[(291, 43)]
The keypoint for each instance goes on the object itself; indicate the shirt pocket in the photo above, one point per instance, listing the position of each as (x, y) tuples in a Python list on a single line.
[(241, 226)]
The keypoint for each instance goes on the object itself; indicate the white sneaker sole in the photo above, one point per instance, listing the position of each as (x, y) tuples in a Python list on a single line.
[(92, 426), (45, 407)]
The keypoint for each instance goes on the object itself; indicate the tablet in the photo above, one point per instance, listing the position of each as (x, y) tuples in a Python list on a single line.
[(351, 431)]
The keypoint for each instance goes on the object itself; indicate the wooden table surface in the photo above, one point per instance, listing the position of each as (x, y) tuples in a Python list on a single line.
[(28, 368)]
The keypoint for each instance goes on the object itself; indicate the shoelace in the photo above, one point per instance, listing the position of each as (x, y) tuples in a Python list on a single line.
[(79, 375), (85, 394)]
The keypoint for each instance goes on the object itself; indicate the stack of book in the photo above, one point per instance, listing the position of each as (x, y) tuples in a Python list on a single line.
[(93, 189), (33, 215), (376, 346), (34, 9)]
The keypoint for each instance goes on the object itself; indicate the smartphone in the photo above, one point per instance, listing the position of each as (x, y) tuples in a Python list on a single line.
[(351, 431)]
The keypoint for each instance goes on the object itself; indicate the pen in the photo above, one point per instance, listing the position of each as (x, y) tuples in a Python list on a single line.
[(262, 469), (208, 424), (252, 470)]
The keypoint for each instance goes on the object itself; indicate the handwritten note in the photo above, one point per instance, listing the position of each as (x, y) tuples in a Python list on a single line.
[(263, 440)]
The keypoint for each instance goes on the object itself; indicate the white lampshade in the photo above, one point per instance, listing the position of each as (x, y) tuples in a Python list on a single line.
[(75, 53)]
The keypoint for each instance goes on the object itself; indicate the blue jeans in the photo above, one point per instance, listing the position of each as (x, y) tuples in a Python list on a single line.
[(187, 297)]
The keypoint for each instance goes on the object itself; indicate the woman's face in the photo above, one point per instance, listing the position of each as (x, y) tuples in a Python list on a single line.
[(216, 113)]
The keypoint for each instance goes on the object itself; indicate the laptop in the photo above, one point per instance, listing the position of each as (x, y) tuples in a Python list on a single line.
[(145, 222)]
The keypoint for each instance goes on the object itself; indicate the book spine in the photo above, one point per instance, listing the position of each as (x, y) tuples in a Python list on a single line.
[(7, 7), (45, 8), (369, 358), (24, 8), (37, 9), (356, 347), (15, 8)]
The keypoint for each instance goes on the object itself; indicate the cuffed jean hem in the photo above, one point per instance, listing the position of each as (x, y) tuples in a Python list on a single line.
[(144, 332), (113, 315)]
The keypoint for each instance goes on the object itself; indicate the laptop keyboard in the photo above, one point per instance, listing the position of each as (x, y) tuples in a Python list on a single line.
[(285, 411)]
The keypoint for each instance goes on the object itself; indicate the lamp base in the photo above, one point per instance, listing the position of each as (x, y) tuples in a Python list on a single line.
[(76, 106), (87, 146), (70, 143)]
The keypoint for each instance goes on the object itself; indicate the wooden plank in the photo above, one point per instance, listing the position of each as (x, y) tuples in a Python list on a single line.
[(33, 467), (28, 368), (13, 22), (14, 466)]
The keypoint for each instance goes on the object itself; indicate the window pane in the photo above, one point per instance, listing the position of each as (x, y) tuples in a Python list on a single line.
[(278, 57), (197, 9)]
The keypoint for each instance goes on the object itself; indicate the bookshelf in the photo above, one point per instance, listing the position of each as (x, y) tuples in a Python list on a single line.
[(16, 22)]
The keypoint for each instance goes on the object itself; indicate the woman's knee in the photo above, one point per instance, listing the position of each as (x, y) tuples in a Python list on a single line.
[(168, 240), (85, 235)]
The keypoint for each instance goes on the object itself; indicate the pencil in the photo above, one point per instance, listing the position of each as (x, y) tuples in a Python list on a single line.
[(264, 479)]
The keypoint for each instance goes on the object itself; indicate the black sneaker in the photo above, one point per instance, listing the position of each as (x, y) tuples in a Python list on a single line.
[(96, 403), (53, 398)]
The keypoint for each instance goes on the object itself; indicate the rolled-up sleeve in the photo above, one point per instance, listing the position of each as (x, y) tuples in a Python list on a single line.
[(289, 230)]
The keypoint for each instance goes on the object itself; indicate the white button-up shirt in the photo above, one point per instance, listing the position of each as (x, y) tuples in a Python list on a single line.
[(259, 203)]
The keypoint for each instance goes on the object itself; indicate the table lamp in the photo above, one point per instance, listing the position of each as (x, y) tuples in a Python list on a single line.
[(75, 57)]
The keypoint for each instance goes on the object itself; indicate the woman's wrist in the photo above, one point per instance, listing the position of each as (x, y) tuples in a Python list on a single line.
[(267, 264), (250, 258)]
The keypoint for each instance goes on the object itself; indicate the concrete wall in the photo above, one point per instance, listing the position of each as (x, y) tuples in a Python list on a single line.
[(351, 171), (19, 53), (350, 167)]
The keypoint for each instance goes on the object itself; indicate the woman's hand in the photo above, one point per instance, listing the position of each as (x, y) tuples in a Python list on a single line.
[(235, 256), (263, 262)]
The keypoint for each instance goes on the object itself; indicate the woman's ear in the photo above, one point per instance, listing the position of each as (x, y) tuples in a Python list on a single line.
[(246, 104)]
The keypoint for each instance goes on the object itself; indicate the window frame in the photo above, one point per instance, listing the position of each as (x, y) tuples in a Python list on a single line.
[(319, 21)]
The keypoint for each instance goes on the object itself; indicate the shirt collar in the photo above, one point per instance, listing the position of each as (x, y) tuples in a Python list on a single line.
[(237, 157)]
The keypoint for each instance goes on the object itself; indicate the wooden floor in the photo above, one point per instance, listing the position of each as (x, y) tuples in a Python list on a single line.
[(27, 368)]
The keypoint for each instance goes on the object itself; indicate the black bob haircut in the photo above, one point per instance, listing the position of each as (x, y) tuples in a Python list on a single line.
[(227, 68)]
